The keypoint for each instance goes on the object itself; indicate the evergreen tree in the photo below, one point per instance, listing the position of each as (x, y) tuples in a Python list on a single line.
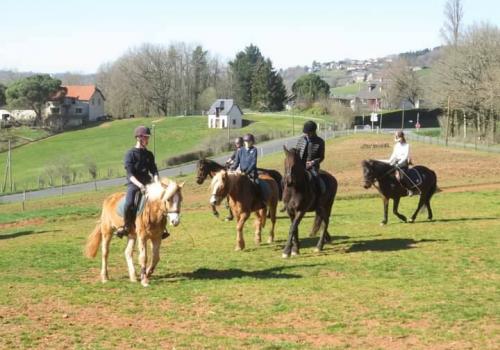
[(310, 87), (3, 100), (268, 90), (32, 92), (201, 74), (243, 70)]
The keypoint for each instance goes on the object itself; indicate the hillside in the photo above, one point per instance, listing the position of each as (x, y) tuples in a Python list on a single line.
[(106, 144)]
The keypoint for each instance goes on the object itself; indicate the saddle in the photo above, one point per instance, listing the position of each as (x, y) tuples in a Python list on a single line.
[(413, 178), (265, 190), (317, 181), (139, 203)]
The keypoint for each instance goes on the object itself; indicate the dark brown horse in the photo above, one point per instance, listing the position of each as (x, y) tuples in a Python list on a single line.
[(207, 167), (301, 195), (390, 188)]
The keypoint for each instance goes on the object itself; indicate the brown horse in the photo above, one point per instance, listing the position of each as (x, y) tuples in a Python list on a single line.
[(243, 201), (300, 196), (162, 200)]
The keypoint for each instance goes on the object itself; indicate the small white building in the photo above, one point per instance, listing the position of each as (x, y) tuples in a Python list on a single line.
[(224, 112)]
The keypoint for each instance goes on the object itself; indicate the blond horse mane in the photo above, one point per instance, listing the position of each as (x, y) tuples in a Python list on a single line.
[(231, 176)]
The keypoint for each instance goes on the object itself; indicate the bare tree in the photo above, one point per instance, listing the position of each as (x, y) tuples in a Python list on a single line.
[(452, 26), (403, 84)]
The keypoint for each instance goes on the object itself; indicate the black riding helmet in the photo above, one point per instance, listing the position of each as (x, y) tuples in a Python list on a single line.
[(249, 138), (309, 126), (238, 141), (142, 131)]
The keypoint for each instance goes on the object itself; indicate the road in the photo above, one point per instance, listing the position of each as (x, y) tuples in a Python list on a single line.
[(264, 148)]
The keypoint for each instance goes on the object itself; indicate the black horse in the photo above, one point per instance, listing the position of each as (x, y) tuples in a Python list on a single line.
[(390, 187), (207, 167), (301, 194)]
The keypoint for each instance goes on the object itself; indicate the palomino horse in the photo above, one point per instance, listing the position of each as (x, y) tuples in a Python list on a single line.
[(243, 202), (300, 196), (389, 187), (162, 200), (207, 167)]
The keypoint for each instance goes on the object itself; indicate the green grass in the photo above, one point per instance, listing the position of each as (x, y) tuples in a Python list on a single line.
[(106, 145), (20, 136), (429, 284), (348, 90), (430, 132)]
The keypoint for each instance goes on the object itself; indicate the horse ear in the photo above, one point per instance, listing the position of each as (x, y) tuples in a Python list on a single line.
[(181, 184), (285, 149)]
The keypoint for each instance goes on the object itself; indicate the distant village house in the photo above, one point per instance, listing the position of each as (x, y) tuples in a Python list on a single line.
[(224, 112), (74, 105)]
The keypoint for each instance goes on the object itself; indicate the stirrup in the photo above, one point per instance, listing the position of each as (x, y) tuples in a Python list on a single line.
[(165, 234)]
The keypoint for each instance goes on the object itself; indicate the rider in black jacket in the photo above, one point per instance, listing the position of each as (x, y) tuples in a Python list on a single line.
[(311, 149), (140, 165)]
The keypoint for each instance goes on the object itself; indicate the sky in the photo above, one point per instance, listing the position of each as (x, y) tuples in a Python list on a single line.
[(78, 36)]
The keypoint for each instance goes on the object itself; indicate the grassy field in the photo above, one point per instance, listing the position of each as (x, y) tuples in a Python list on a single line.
[(348, 90), (20, 136), (107, 143), (428, 285)]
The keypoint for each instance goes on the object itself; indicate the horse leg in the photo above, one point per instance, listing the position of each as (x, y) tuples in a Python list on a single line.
[(106, 240), (325, 236), (143, 259), (230, 215), (129, 259), (421, 202), (395, 210), (259, 219), (155, 251), (240, 241), (292, 243), (428, 201), (386, 210), (317, 224), (272, 213)]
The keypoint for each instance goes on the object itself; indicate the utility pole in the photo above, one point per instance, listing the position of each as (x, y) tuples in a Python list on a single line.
[(403, 117), (447, 122), (154, 140), (228, 129), (8, 170)]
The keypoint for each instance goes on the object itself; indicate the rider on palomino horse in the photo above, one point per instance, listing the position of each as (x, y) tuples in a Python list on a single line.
[(400, 159), (311, 149), (139, 164), (246, 160)]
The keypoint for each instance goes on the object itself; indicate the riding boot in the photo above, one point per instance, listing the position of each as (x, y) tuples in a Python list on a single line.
[(165, 233), (128, 219)]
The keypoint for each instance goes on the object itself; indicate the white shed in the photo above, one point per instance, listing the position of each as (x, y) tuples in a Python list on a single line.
[(224, 112)]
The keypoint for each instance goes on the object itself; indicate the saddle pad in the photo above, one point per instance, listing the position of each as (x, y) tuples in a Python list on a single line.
[(265, 189), (415, 177), (120, 208)]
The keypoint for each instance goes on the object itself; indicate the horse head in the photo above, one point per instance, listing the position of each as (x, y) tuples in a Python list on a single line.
[(294, 167), (169, 193), (201, 171), (219, 187), (368, 173)]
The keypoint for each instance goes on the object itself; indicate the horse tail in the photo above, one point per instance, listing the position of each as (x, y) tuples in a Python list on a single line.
[(434, 188), (93, 242)]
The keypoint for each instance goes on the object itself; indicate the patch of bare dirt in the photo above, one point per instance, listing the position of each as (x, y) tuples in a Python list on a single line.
[(22, 223)]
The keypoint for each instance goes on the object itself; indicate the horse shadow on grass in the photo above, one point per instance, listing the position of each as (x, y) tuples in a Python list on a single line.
[(387, 245), (232, 273), (19, 234), (458, 219)]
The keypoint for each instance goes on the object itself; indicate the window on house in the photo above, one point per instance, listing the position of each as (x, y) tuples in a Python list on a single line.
[(234, 122), (78, 111), (54, 110)]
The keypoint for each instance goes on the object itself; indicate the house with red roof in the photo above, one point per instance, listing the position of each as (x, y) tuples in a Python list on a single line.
[(74, 105)]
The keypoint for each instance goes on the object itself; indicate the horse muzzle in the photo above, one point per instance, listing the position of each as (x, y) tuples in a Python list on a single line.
[(367, 185), (174, 219)]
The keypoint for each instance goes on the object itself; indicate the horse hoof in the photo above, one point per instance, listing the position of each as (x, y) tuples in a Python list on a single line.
[(238, 249), (285, 256), (145, 283), (295, 253), (104, 281), (270, 240), (411, 221), (317, 250), (383, 223)]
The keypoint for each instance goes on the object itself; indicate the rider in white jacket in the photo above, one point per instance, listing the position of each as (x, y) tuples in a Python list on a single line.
[(400, 158)]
